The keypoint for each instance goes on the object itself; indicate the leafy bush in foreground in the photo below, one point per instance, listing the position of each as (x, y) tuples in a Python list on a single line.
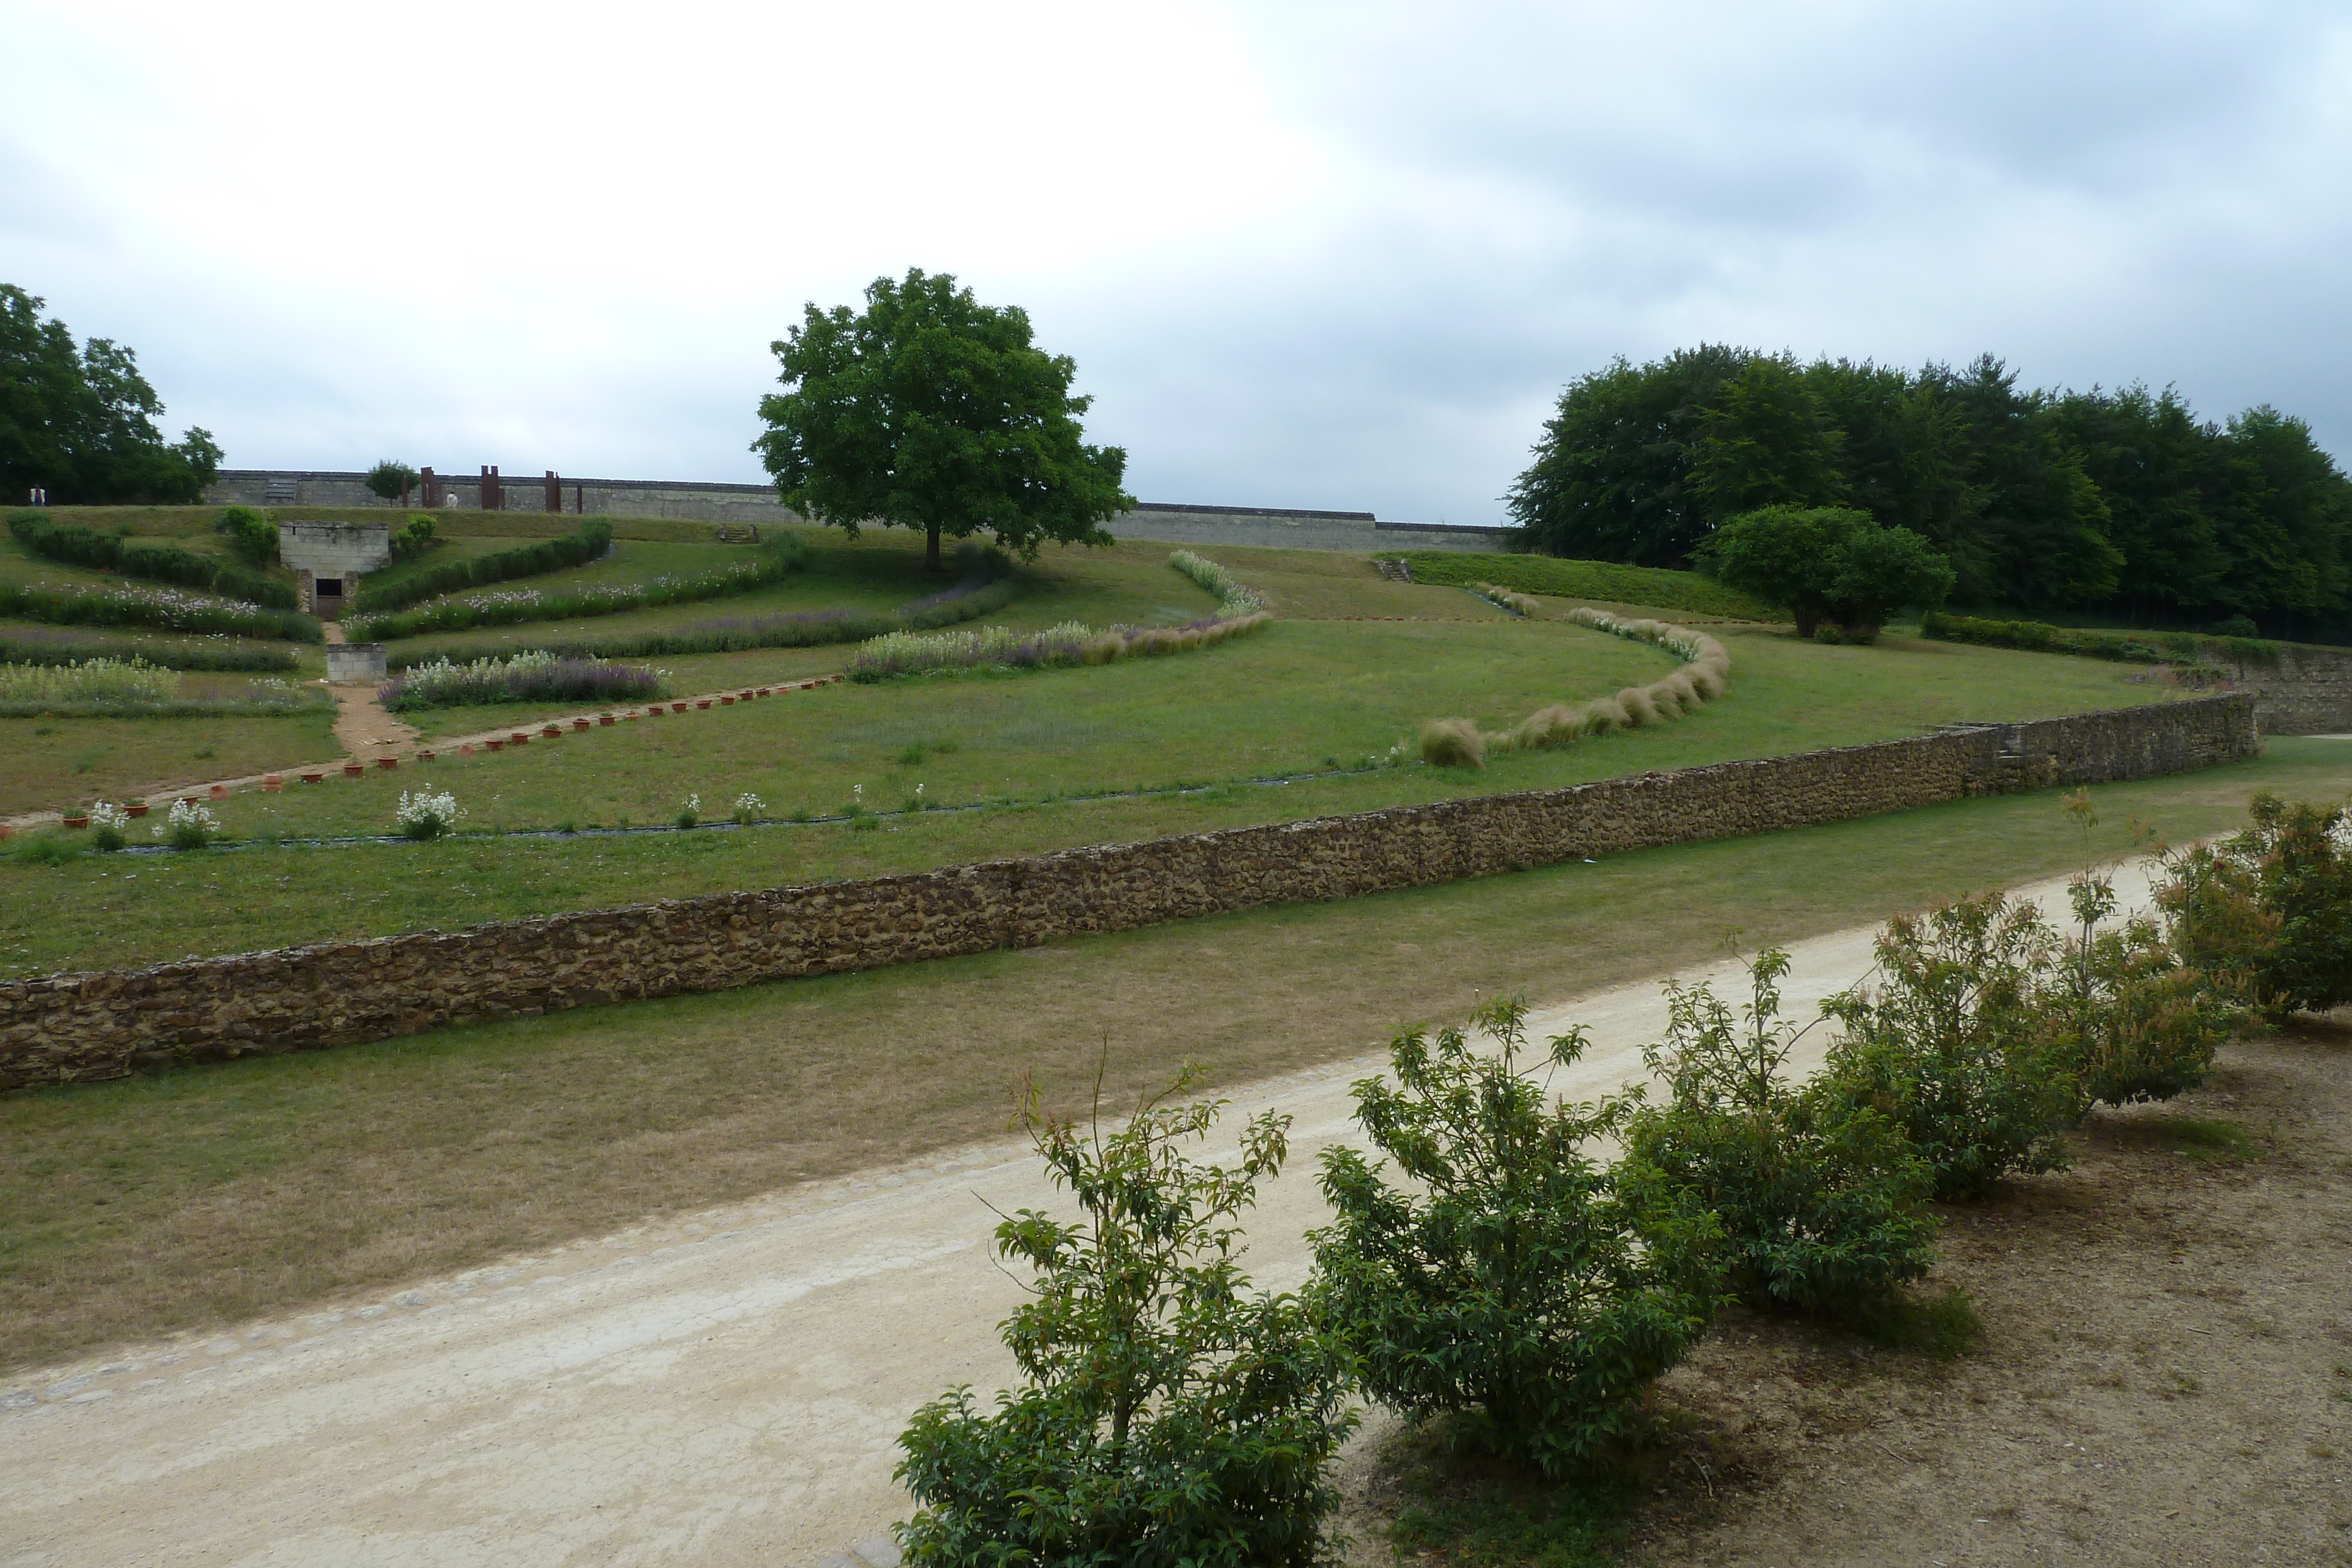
[(1513, 1284), (2267, 911), (1822, 1203), (1955, 1044), (1171, 1416)]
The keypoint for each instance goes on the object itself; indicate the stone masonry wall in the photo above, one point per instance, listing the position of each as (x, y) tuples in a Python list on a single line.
[(72, 1026), (2307, 692)]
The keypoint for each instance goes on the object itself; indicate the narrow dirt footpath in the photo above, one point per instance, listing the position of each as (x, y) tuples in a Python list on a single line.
[(722, 1390)]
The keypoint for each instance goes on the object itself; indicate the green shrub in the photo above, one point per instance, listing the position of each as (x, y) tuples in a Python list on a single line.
[(1172, 1416), (390, 479), (1823, 1202), (414, 537), (1512, 1284), (1955, 1043), (2267, 913), (250, 534), (1826, 563)]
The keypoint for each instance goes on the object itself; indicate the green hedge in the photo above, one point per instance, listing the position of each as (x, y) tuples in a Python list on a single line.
[(79, 546), (773, 564), (804, 628), (2128, 647), (591, 539), (165, 609), (1603, 580)]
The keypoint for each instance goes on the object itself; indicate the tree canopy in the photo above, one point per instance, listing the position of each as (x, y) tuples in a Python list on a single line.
[(928, 410), (2124, 502), (79, 421), (1832, 563)]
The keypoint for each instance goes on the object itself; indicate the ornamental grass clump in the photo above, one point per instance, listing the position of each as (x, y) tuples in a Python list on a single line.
[(1823, 1202), (424, 814), (110, 826), (190, 826), (535, 676), (1170, 1413), (109, 681), (1509, 1283), (1234, 600), (1706, 675)]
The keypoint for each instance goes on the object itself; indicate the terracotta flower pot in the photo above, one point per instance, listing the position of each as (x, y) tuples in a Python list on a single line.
[(220, 791), (307, 778), (136, 808), (583, 724), (520, 738), (271, 784), (424, 756), (678, 708), (77, 820), (387, 763), (603, 718), (353, 769), (765, 690), (702, 702), (552, 733), (495, 745), (656, 711), (726, 701)]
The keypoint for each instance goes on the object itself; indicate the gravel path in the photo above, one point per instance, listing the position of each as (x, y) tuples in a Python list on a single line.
[(720, 1390)]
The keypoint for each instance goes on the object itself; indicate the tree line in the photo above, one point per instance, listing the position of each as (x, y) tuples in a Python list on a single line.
[(2123, 503), (78, 421)]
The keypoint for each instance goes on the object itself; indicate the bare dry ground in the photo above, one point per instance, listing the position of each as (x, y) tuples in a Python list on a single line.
[(2164, 1375)]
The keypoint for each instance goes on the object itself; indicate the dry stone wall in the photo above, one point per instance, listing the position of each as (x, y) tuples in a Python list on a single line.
[(72, 1026)]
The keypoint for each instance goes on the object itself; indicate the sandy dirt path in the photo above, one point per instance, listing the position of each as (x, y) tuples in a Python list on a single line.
[(721, 1390)]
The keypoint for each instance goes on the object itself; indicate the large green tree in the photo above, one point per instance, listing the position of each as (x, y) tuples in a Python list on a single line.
[(79, 421), (928, 410)]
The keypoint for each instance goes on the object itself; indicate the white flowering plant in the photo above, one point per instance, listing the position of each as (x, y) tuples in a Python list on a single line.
[(691, 812), (108, 826), (749, 808), (190, 826), (425, 815)]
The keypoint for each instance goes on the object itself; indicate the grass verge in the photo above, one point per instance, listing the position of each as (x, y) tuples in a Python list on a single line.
[(203, 1195)]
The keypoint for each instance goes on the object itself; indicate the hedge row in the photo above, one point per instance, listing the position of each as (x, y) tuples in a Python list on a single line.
[(1606, 581), (585, 544), (2128, 647), (801, 629), (773, 564), (167, 608), (23, 645), (72, 543)]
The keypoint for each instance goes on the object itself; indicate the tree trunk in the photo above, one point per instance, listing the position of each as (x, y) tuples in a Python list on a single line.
[(931, 548)]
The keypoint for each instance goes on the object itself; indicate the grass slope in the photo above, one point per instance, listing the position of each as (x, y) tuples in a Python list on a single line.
[(197, 1195), (1595, 582), (1298, 698)]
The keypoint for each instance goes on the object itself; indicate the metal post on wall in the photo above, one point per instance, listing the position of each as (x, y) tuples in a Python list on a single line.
[(494, 494), (580, 500), (432, 488), (554, 492)]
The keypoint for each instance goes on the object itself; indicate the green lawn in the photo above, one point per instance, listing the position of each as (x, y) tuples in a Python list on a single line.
[(203, 1195), (47, 764), (1295, 698)]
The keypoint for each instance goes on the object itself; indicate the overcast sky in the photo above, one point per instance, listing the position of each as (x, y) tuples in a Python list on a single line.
[(1336, 255)]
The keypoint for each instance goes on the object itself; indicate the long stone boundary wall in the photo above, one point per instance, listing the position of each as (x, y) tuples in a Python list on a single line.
[(709, 501), (72, 1026)]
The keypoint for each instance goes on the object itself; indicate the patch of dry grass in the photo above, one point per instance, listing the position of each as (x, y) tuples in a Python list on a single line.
[(204, 1195)]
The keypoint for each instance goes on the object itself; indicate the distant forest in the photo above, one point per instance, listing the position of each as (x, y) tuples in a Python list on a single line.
[(2116, 504)]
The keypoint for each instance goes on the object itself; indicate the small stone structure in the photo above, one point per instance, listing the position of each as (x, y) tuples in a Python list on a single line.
[(327, 558), (64, 1028), (355, 664)]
